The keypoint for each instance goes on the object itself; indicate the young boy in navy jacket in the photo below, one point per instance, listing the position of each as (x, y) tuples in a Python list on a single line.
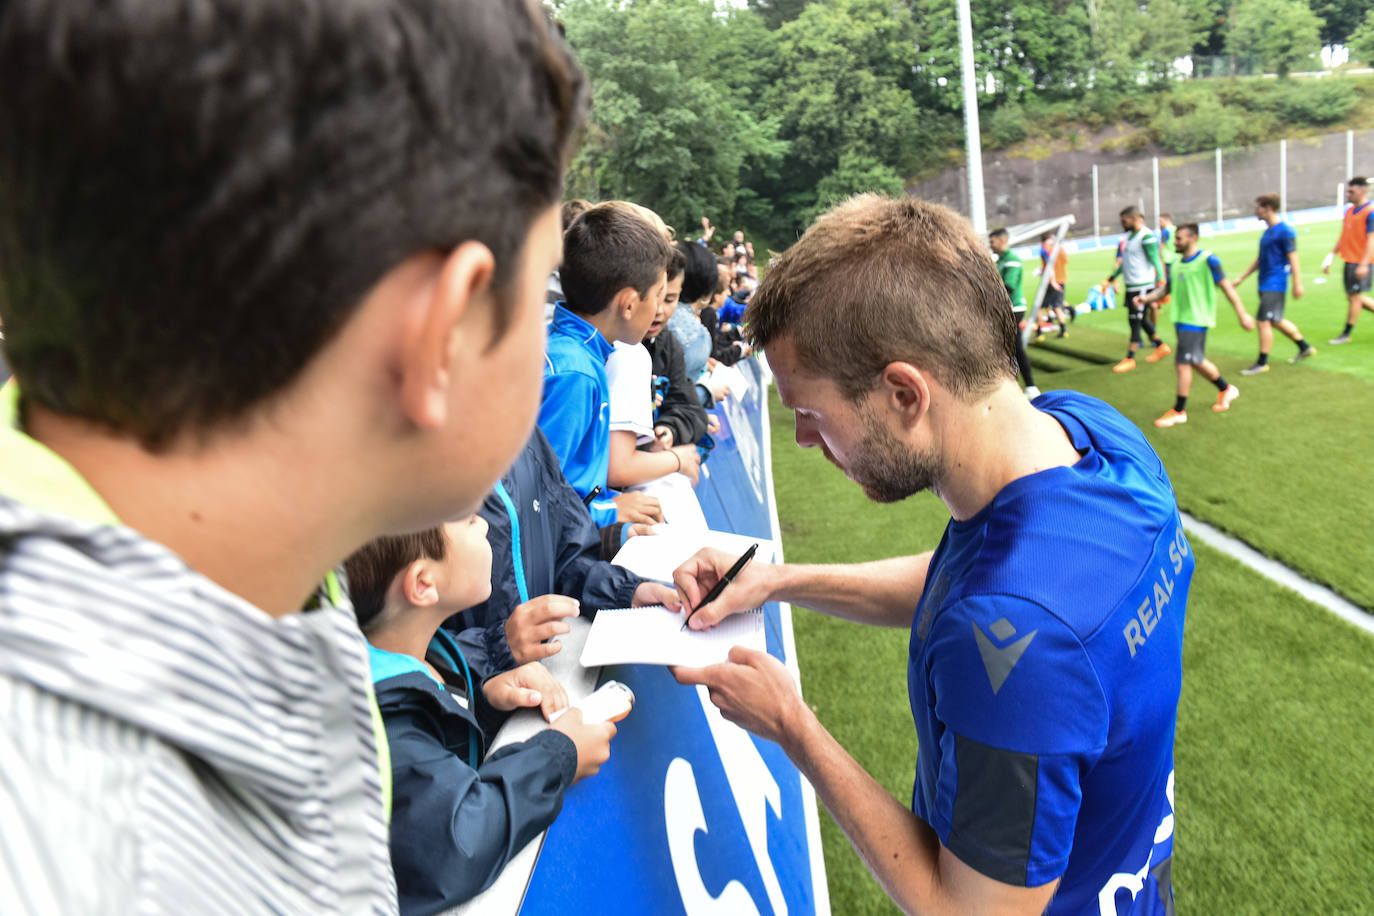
[(458, 816)]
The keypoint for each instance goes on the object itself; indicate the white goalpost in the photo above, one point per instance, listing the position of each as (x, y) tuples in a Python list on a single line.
[(1031, 232)]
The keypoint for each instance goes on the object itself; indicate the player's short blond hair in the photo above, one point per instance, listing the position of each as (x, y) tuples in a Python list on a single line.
[(876, 281)]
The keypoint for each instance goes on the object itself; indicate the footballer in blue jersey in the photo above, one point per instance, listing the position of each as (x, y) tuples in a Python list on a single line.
[(1013, 785), (1044, 700), (1277, 264)]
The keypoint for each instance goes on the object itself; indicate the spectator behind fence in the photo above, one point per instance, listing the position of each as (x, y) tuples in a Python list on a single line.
[(698, 282), (546, 566), (272, 288), (727, 345), (458, 815), (680, 418), (613, 273)]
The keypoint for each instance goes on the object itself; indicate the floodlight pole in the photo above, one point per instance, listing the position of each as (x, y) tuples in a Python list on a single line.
[(1154, 170), (977, 207), (1283, 178), (1097, 224), (1219, 210)]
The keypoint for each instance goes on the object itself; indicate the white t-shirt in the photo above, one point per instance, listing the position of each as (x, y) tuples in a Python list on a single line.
[(629, 376)]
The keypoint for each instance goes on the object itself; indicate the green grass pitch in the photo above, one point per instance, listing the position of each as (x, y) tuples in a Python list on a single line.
[(1275, 746)]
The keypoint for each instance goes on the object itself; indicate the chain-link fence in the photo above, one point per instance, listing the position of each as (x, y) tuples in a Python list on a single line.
[(1216, 185)]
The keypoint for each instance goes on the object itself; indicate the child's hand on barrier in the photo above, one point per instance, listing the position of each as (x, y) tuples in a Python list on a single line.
[(652, 594), (532, 626), (690, 462), (640, 508), (528, 685), (593, 741)]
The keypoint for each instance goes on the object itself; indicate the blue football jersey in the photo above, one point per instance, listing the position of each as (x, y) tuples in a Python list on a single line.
[(1044, 674), (1275, 245)]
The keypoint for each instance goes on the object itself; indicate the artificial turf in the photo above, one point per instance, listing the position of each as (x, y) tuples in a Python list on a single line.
[(1275, 747)]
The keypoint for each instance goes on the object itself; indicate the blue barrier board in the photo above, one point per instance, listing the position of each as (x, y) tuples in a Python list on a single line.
[(691, 815)]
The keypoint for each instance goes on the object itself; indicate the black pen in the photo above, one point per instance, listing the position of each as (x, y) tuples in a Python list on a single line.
[(725, 580), (587, 500)]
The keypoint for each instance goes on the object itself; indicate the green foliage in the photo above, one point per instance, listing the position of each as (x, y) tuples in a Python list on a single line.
[(759, 116), (775, 12), (839, 84), (1282, 33), (1004, 126), (666, 128), (1131, 47), (1340, 20), (1209, 124), (855, 174), (1030, 47), (1326, 101), (1362, 40)]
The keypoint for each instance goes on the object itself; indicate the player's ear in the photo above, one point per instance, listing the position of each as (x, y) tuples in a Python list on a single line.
[(906, 390)]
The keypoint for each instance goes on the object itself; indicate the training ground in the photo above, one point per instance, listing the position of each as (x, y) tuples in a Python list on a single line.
[(1275, 747)]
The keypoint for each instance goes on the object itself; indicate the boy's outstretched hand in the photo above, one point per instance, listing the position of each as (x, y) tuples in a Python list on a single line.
[(593, 741), (532, 626), (527, 686), (652, 594)]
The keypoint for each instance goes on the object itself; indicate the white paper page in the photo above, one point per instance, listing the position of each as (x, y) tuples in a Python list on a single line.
[(654, 636), (733, 378), (677, 499), (656, 556)]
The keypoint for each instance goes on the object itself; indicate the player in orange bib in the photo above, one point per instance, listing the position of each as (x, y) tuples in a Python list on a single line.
[(1356, 248)]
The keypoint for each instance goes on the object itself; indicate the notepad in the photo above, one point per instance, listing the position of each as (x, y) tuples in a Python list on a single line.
[(656, 556), (654, 636)]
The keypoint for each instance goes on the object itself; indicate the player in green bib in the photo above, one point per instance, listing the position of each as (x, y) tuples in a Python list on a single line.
[(1197, 275), (1009, 268)]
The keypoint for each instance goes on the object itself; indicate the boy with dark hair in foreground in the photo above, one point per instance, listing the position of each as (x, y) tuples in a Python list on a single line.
[(458, 815), (272, 276), (1196, 279)]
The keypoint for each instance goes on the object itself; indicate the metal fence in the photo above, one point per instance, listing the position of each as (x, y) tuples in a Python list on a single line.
[(1217, 185)]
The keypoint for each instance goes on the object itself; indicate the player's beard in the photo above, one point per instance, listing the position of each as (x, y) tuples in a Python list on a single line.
[(888, 469)]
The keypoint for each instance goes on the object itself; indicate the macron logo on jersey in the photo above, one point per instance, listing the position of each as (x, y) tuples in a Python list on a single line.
[(1000, 660)]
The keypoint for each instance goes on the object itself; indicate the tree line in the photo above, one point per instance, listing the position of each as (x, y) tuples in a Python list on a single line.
[(761, 116)]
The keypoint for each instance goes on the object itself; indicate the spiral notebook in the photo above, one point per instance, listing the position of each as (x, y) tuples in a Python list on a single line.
[(654, 636)]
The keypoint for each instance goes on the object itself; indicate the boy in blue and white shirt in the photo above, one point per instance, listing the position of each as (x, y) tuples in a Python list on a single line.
[(614, 273)]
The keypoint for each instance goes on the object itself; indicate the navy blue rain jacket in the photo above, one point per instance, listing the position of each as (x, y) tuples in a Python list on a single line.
[(543, 542), (456, 819)]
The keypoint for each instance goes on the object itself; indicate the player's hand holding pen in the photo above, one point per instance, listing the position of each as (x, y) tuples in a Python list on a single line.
[(752, 587)]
